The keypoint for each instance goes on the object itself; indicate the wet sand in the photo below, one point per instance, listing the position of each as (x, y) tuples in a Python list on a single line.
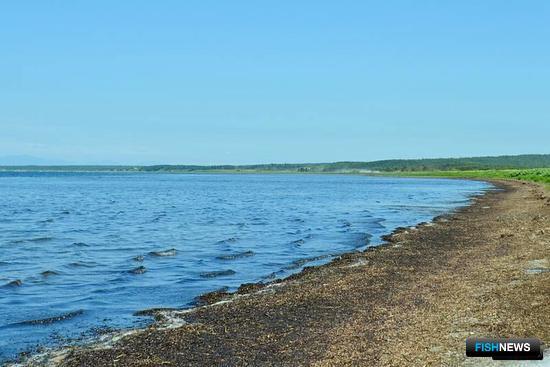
[(482, 271)]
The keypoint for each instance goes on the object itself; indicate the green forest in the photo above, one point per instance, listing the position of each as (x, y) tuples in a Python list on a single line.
[(526, 161)]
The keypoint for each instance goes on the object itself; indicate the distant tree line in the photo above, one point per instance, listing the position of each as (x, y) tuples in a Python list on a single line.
[(405, 165), (428, 164)]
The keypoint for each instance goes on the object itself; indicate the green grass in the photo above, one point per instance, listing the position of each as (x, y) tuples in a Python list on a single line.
[(539, 175)]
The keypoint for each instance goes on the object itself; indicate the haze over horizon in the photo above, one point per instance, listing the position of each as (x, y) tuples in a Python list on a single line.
[(24, 160), (242, 83)]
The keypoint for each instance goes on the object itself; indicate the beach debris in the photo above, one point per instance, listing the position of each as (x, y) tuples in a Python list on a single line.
[(394, 236), (169, 252), (153, 311), (158, 313), (250, 287), (441, 218), (212, 297), (305, 270), (358, 262)]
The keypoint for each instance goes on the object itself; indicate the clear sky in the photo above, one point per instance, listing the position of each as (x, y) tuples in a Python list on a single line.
[(210, 82)]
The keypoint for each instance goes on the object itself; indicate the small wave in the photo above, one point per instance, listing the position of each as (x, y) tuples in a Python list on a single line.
[(75, 230), (22, 211), (14, 283), (227, 240), (51, 320), (138, 270), (138, 258), (219, 273), (49, 273), (299, 242), (296, 232), (374, 226), (80, 244), (377, 221), (362, 239), (158, 217), (16, 242), (238, 255), (169, 252), (274, 275), (260, 223), (344, 223), (49, 220), (40, 239), (82, 264)]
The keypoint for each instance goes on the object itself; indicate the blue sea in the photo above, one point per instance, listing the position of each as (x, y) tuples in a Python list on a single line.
[(82, 252)]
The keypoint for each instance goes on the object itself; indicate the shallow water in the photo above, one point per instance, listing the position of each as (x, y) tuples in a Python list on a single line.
[(84, 251)]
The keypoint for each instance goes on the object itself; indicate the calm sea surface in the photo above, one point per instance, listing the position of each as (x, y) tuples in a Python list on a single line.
[(83, 251)]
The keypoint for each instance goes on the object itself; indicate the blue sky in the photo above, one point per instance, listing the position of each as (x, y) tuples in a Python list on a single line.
[(211, 82)]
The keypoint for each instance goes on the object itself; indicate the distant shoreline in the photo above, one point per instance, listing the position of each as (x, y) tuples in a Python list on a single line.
[(527, 167), (503, 162)]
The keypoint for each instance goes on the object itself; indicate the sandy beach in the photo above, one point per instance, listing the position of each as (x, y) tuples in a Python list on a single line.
[(482, 271)]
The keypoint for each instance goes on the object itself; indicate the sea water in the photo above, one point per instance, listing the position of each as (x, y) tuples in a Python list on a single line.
[(82, 252)]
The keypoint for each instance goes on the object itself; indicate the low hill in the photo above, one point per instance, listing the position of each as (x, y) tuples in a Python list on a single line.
[(524, 161), (431, 164)]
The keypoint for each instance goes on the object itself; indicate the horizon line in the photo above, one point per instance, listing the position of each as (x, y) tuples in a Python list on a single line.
[(263, 164)]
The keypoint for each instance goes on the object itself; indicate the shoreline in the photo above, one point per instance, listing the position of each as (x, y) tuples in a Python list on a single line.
[(90, 336), (252, 297)]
